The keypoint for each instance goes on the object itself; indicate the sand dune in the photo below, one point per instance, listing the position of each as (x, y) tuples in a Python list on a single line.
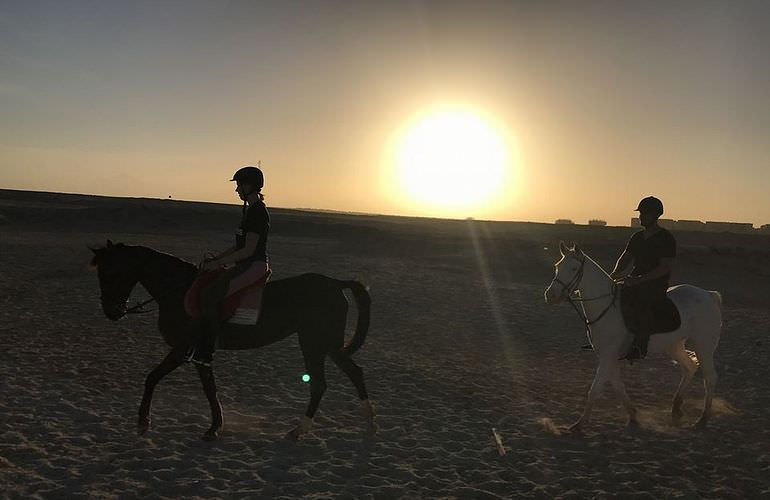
[(461, 342)]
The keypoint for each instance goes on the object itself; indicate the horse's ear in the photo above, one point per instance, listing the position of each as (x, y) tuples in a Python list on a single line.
[(109, 243), (563, 248)]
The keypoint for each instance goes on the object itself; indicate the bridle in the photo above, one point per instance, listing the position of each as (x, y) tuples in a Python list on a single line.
[(569, 288), (135, 309), (138, 308)]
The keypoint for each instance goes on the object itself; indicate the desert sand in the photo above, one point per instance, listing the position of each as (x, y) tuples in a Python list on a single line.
[(461, 342)]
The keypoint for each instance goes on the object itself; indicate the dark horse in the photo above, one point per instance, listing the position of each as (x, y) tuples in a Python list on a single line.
[(311, 305)]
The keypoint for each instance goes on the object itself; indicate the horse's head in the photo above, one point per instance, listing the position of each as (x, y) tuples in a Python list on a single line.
[(569, 272), (118, 268)]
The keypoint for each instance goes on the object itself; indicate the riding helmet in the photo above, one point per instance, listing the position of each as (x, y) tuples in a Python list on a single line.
[(250, 175), (651, 204)]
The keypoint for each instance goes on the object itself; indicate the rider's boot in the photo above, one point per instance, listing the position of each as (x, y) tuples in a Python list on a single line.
[(199, 332), (203, 354)]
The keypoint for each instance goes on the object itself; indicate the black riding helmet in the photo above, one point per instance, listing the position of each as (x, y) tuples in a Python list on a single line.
[(252, 176), (651, 204)]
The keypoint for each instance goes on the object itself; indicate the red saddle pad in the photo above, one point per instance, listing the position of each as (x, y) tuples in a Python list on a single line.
[(231, 302)]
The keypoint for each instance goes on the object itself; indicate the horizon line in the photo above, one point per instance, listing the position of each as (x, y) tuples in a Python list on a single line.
[(559, 221)]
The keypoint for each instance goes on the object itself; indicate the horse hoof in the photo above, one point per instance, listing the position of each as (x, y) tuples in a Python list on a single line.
[(304, 426), (296, 434), (143, 426), (700, 425), (576, 428), (210, 435)]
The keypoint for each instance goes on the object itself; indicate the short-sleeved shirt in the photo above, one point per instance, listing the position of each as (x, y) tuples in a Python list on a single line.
[(255, 220), (647, 252)]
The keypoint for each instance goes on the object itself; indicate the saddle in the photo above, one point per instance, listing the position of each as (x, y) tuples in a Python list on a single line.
[(241, 308), (664, 317)]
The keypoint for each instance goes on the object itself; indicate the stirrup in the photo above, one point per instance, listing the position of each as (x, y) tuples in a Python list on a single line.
[(200, 362), (189, 357), (205, 364)]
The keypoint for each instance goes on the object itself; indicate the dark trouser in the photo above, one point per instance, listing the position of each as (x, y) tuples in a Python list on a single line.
[(638, 304), (211, 298)]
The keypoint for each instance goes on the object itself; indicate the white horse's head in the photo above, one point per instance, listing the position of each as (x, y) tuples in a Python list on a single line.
[(568, 274)]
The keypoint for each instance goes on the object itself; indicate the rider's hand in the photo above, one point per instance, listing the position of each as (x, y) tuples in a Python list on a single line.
[(632, 281)]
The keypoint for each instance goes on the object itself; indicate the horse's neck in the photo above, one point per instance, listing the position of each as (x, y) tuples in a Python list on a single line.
[(165, 275), (596, 284)]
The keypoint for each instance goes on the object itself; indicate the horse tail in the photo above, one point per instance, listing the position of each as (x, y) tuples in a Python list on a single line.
[(363, 303)]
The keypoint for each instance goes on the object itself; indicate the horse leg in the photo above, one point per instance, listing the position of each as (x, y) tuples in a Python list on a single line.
[(206, 374), (356, 375), (688, 368), (172, 360), (600, 378), (315, 357), (620, 390), (709, 382)]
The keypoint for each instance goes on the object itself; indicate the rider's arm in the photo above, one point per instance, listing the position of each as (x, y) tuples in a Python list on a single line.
[(664, 268), (623, 262), (236, 255)]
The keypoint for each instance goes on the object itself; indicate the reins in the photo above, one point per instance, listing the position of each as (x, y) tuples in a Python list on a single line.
[(137, 309), (569, 288)]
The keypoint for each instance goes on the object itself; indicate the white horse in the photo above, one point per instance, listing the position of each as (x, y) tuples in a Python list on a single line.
[(597, 293)]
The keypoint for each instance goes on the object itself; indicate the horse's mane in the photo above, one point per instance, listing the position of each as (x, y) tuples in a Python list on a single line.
[(150, 252), (167, 256)]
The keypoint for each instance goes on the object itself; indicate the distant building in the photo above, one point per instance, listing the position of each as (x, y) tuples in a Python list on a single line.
[(597, 222), (711, 226), (563, 221), (729, 227), (690, 225)]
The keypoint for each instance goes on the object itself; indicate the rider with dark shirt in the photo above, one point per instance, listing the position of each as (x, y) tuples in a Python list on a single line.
[(249, 256), (255, 220), (652, 252)]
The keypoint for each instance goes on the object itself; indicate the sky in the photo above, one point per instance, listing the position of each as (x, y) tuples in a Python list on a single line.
[(597, 104)]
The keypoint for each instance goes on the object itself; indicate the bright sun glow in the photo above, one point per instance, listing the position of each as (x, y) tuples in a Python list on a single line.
[(452, 159)]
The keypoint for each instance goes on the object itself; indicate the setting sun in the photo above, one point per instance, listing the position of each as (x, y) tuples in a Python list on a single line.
[(451, 159)]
